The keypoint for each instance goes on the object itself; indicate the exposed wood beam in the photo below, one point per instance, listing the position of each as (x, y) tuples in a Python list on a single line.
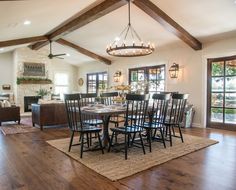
[(22, 41), (168, 23), (92, 14), (84, 51)]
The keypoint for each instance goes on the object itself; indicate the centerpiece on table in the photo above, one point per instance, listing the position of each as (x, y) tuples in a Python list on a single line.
[(122, 88)]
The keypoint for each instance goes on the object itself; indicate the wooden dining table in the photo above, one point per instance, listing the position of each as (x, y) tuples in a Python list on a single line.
[(104, 112)]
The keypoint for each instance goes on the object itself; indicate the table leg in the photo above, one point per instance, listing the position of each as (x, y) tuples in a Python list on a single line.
[(105, 135)]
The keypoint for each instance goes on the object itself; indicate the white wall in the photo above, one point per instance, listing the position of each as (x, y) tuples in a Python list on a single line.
[(192, 63), (6, 70)]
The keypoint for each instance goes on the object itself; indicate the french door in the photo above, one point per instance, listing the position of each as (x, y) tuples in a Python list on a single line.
[(221, 93)]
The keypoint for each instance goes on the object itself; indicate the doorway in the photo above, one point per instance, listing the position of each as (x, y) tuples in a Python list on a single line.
[(221, 93)]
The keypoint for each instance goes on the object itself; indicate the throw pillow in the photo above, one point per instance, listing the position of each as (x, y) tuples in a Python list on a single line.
[(7, 104)]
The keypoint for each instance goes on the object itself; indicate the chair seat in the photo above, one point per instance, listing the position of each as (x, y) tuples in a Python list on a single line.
[(153, 126), (93, 122), (128, 129), (88, 129)]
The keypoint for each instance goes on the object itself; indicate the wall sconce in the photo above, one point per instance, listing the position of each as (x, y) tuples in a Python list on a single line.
[(174, 70), (117, 76)]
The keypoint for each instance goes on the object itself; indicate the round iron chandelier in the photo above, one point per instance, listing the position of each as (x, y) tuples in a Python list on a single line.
[(129, 43)]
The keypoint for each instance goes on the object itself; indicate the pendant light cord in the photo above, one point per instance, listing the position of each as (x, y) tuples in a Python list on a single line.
[(129, 12)]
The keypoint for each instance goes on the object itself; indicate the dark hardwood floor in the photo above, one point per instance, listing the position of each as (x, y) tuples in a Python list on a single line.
[(28, 162)]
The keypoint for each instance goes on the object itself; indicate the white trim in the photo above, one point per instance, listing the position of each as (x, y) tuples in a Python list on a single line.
[(198, 125)]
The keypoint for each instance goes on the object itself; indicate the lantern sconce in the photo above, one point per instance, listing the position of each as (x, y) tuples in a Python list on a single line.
[(117, 76), (174, 70)]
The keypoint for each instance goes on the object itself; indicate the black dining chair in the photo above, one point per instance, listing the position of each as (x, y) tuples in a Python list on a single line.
[(76, 124), (89, 99), (175, 116), (155, 128), (109, 99), (137, 109)]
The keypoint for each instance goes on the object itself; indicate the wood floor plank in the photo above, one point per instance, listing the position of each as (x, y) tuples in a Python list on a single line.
[(28, 162)]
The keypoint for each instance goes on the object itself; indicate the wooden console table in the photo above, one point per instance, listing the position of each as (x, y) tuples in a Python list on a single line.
[(49, 114)]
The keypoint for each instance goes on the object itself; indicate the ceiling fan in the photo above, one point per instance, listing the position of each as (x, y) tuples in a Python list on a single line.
[(51, 55)]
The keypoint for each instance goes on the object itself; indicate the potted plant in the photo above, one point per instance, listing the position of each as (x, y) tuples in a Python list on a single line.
[(43, 93)]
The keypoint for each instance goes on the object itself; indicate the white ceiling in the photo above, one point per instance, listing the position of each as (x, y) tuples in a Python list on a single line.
[(44, 15), (204, 19), (207, 20)]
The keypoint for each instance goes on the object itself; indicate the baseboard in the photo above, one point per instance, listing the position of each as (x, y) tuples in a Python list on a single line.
[(198, 125), (26, 114)]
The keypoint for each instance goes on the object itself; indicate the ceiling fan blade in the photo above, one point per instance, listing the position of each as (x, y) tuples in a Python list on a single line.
[(61, 54), (59, 57), (51, 56)]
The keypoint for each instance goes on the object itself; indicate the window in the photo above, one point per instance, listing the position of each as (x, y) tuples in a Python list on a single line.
[(148, 79), (222, 93), (61, 84), (96, 82)]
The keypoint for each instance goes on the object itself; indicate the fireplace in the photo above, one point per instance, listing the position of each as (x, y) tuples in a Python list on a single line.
[(28, 100)]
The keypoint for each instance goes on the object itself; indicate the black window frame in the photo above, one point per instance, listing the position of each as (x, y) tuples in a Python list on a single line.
[(97, 81), (146, 74)]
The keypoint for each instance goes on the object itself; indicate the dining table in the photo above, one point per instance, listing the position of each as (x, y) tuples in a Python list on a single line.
[(104, 112)]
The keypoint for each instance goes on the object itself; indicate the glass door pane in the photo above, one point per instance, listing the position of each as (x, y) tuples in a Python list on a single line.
[(217, 115), (217, 68), (230, 116), (217, 84)]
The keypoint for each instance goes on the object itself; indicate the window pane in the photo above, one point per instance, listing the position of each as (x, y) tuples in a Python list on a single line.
[(217, 99), (134, 76), (162, 73), (230, 116), (230, 100), (100, 77), (105, 76), (231, 67), (230, 84), (153, 85), (61, 79), (217, 115), (102, 85), (141, 75), (152, 74), (161, 86), (217, 68), (218, 84)]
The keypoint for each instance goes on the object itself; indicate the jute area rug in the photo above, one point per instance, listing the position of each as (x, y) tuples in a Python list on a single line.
[(113, 165), (10, 129)]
